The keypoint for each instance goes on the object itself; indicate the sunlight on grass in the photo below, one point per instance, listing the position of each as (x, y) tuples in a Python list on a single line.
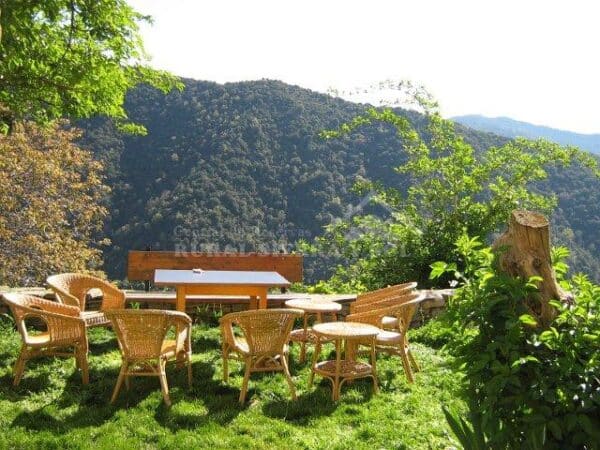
[(52, 409)]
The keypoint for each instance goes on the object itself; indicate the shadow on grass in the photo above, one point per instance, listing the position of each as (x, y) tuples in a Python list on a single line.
[(93, 406), (318, 402), (91, 401), (213, 402), (201, 344)]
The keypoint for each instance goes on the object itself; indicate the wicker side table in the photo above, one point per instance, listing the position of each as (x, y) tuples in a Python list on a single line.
[(340, 370), (310, 307)]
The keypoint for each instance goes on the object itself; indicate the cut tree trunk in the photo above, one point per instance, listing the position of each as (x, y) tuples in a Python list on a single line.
[(524, 251)]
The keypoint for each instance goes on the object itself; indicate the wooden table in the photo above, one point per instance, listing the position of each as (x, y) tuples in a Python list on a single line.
[(220, 282), (340, 370), (317, 307)]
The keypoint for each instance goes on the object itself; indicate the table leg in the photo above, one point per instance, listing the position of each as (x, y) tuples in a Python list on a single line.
[(303, 343), (262, 300), (351, 348), (180, 302), (314, 362), (338, 368), (253, 302)]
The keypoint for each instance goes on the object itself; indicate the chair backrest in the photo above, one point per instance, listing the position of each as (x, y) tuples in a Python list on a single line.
[(72, 288), (390, 300), (53, 315), (379, 294), (266, 330), (141, 332), (404, 312)]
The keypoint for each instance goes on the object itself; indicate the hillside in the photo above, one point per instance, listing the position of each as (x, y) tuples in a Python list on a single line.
[(240, 167), (504, 126)]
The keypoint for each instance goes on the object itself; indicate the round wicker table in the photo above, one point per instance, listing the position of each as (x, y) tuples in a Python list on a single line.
[(310, 307), (340, 370)]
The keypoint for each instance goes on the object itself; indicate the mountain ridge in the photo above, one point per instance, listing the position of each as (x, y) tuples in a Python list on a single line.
[(511, 128), (241, 167)]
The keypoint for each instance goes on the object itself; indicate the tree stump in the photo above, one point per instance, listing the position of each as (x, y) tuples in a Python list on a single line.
[(524, 251)]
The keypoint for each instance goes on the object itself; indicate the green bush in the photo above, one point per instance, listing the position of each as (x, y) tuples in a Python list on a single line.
[(522, 381)]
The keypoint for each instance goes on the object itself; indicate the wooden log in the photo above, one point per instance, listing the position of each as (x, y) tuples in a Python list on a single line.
[(524, 251)]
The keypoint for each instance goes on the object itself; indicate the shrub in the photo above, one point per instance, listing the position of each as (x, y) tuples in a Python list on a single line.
[(522, 381)]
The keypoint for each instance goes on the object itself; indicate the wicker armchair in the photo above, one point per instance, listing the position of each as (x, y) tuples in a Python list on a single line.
[(393, 342), (263, 346), (144, 349), (381, 298), (64, 329), (72, 289)]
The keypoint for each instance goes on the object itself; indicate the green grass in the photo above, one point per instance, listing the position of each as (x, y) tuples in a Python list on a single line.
[(52, 409)]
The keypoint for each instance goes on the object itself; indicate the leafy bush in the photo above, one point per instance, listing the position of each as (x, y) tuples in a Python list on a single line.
[(521, 381), (451, 187), (434, 333)]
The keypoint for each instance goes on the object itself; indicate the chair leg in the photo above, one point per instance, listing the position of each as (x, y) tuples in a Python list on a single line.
[(189, 370), (225, 352), (413, 360), (406, 365), (317, 353), (288, 377), (248, 364), (374, 367), (82, 363), (20, 365), (124, 367), (302, 352), (164, 387)]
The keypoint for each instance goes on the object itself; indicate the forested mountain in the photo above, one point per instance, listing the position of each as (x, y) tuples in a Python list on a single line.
[(504, 126), (241, 167)]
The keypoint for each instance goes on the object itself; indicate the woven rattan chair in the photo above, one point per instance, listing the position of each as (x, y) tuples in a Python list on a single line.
[(393, 342), (72, 289), (144, 347), (263, 346), (381, 298), (65, 330)]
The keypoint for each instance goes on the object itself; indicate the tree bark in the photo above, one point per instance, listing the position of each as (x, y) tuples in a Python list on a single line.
[(524, 251)]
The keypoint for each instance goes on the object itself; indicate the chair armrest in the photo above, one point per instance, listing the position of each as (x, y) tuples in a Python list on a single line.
[(61, 328), (62, 309), (64, 297), (183, 325), (112, 297), (227, 331)]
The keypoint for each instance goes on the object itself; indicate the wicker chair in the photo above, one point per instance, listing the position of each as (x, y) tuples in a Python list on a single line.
[(393, 342), (72, 289), (383, 297), (144, 349), (263, 346), (64, 329)]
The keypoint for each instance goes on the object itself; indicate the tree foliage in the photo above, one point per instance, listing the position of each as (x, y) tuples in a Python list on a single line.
[(51, 197), (452, 188), (241, 166), (70, 58)]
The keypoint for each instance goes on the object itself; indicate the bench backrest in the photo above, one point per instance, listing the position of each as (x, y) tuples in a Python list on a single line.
[(141, 264)]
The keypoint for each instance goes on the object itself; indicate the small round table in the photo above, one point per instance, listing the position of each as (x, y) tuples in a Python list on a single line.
[(340, 370), (317, 307)]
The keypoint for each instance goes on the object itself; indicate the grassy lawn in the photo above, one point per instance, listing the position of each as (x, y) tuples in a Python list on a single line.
[(52, 409)]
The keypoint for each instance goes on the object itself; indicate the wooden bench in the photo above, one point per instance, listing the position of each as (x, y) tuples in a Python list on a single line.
[(142, 264)]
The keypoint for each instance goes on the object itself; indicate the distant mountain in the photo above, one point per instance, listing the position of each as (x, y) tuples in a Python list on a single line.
[(241, 167), (504, 126)]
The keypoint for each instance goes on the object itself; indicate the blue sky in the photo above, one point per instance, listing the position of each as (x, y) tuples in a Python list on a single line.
[(531, 60)]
